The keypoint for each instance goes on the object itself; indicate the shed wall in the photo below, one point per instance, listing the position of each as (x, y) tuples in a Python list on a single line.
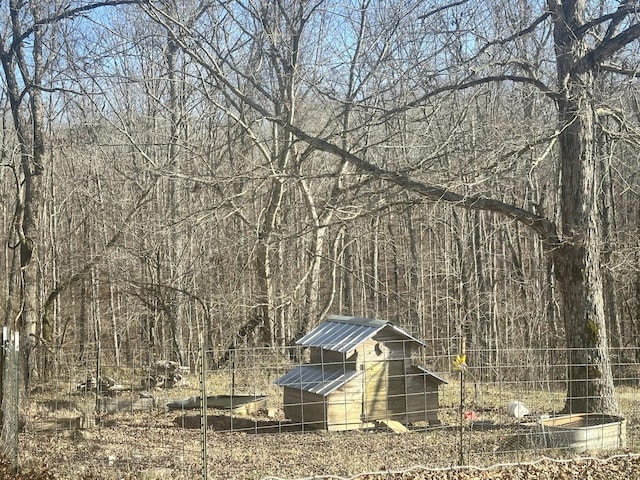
[(320, 356), (422, 397), (400, 393), (340, 410), (305, 407), (384, 370)]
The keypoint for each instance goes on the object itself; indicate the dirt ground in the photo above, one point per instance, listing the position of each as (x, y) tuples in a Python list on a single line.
[(157, 444), (167, 445)]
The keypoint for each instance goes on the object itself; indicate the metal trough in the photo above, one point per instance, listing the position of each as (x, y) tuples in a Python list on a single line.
[(238, 404), (587, 431)]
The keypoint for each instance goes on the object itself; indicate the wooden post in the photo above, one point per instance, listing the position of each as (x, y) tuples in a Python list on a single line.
[(10, 393), (463, 352), (98, 375), (203, 406)]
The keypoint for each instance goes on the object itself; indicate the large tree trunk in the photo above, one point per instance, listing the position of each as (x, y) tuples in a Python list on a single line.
[(590, 380), (177, 275), (577, 259), (30, 135), (264, 267)]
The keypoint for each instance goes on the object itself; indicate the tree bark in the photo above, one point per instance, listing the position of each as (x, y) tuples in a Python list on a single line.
[(577, 258)]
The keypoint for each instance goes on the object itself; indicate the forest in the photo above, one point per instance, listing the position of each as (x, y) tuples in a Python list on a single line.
[(239, 169)]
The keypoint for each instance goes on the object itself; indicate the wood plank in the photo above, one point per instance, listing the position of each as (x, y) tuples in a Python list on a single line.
[(237, 404), (112, 405), (304, 407), (393, 425), (76, 422)]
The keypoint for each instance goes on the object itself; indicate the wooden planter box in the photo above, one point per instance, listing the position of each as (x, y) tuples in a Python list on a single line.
[(581, 432), (237, 404)]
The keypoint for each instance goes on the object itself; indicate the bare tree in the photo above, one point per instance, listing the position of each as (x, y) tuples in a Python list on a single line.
[(584, 46), (301, 138), (27, 53)]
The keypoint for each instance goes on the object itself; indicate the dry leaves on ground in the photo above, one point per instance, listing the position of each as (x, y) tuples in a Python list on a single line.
[(624, 467)]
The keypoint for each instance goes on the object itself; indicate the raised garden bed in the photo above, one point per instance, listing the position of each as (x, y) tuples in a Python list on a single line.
[(238, 404)]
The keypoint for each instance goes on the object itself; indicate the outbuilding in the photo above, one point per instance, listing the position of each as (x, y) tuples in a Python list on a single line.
[(361, 372)]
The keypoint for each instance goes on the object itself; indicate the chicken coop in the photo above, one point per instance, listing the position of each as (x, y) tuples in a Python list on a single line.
[(360, 372)]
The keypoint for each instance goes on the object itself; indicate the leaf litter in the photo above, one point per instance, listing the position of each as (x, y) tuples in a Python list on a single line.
[(168, 446)]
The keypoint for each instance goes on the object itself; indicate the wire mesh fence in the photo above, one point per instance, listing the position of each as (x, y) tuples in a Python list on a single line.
[(294, 412)]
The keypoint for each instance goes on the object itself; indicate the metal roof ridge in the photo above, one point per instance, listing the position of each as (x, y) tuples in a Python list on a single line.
[(353, 320), (348, 332), (407, 334)]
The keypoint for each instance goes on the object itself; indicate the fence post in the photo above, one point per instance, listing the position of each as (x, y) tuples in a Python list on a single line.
[(98, 395), (10, 393), (203, 406)]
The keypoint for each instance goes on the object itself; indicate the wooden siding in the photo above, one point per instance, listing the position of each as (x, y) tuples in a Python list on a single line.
[(384, 370), (404, 395), (422, 397), (341, 410), (344, 407), (305, 407), (376, 350), (319, 356), (376, 390), (384, 392), (395, 348)]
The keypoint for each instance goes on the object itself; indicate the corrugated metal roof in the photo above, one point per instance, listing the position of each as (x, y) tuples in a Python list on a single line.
[(342, 334), (319, 379)]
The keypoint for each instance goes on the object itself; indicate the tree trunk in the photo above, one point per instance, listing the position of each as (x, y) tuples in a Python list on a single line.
[(30, 133), (175, 308), (590, 387), (607, 216), (264, 269), (577, 258)]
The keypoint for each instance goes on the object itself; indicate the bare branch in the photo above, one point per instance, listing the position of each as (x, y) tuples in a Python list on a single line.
[(474, 83), (609, 47), (621, 70), (519, 34), (626, 8), (542, 226), (435, 11), (70, 13), (96, 260)]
